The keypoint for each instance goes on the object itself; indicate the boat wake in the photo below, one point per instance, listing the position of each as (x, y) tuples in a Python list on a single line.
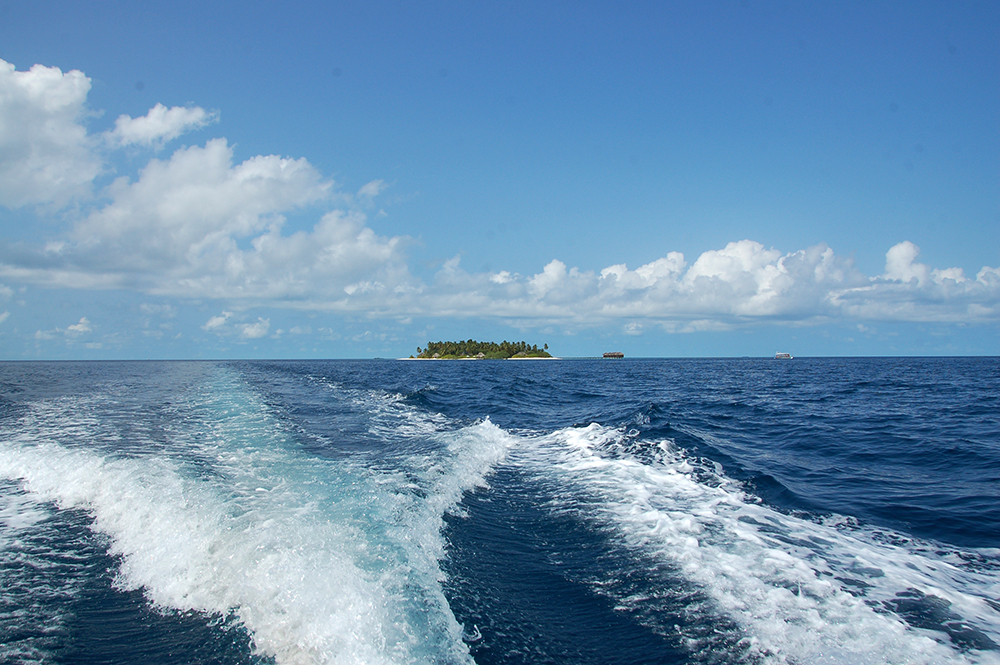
[(774, 587)]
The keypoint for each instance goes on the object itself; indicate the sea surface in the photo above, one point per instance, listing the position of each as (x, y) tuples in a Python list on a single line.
[(812, 511)]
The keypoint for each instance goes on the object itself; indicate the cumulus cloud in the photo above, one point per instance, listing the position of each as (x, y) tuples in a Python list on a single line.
[(46, 155), (372, 189), (197, 200), (553, 276), (255, 330), (989, 277), (900, 264), (69, 333), (159, 125), (221, 325), (744, 279), (912, 291), (83, 326), (217, 322), (741, 283), (197, 224)]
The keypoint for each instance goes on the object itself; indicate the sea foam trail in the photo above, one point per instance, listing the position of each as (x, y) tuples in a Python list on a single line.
[(800, 592), (322, 560), (37, 588)]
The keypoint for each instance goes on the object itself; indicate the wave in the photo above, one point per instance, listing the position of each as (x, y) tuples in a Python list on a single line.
[(322, 560), (773, 587), (37, 588)]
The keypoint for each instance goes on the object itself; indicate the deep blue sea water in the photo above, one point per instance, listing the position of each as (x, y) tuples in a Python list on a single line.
[(827, 510)]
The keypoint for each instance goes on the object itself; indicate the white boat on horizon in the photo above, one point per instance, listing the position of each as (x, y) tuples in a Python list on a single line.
[(782, 356)]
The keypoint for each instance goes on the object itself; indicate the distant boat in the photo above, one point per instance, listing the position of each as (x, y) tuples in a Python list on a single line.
[(782, 356), (614, 354)]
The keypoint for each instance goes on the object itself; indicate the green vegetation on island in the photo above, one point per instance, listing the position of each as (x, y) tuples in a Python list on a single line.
[(485, 350)]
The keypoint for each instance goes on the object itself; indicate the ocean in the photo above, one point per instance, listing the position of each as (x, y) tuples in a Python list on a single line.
[(811, 511)]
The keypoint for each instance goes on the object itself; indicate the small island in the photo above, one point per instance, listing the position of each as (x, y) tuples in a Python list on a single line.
[(473, 350)]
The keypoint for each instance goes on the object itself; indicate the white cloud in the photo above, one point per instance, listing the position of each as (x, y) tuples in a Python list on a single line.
[(900, 264), (79, 328), (46, 156), (254, 330), (743, 280), (739, 284), (372, 189), (217, 322), (989, 277), (3, 316), (633, 328), (220, 325), (195, 204), (553, 276), (198, 225), (69, 333), (735, 263), (159, 125), (912, 291)]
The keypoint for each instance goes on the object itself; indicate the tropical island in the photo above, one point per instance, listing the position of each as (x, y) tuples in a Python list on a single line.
[(473, 350)]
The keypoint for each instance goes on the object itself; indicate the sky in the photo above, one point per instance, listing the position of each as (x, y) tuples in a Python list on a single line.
[(355, 179)]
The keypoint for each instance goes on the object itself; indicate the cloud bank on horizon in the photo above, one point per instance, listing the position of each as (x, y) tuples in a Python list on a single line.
[(196, 225)]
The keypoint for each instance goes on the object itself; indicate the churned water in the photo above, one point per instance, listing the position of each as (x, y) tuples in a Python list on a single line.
[(575, 511)]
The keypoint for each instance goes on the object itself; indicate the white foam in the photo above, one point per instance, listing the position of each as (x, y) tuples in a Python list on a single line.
[(324, 561), (774, 575), (38, 584), (18, 511)]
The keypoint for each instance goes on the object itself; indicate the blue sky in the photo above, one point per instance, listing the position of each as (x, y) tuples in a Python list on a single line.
[(215, 180)]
